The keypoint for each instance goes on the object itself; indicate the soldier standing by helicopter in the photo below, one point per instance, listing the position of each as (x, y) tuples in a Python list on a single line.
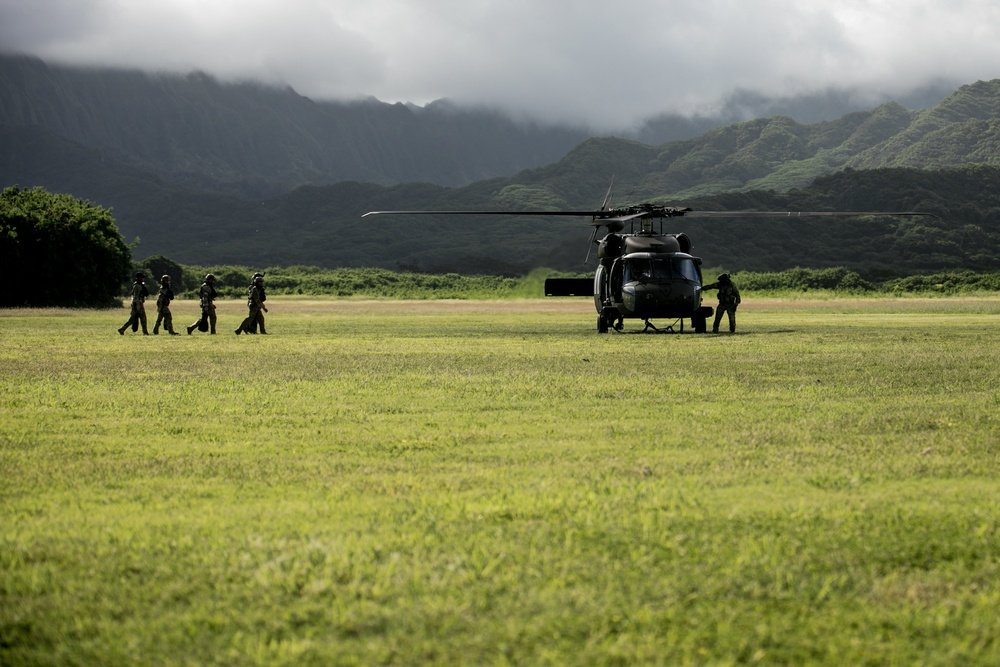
[(138, 314), (207, 295), (729, 300), (163, 299)]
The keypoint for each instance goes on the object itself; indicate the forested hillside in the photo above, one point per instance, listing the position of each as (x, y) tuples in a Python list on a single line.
[(322, 226), (779, 154), (253, 140)]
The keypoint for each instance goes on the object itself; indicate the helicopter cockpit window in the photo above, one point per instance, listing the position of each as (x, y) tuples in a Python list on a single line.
[(660, 268), (685, 268)]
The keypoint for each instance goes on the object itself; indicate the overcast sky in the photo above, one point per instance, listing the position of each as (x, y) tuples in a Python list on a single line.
[(609, 64)]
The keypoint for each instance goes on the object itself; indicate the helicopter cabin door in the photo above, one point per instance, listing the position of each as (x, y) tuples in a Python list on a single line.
[(615, 283)]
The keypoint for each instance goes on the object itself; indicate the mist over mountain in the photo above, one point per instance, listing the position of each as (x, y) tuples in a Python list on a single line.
[(254, 140), (208, 173), (744, 105)]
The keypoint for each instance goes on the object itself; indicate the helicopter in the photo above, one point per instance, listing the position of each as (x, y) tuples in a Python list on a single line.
[(646, 273)]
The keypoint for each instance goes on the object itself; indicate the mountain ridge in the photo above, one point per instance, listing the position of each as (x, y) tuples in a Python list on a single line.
[(255, 140), (204, 210)]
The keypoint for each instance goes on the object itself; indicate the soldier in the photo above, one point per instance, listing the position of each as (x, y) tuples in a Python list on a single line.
[(252, 328), (255, 303), (163, 299), (207, 295), (138, 314), (729, 299)]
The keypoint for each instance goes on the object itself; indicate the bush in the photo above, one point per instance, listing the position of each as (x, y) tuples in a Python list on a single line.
[(801, 280), (158, 266), (59, 251)]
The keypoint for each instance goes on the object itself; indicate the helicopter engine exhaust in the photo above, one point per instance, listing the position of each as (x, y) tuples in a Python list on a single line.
[(683, 242)]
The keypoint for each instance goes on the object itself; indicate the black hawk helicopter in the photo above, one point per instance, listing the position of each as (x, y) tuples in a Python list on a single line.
[(645, 273)]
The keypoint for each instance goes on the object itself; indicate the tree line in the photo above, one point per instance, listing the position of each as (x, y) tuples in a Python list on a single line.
[(57, 250)]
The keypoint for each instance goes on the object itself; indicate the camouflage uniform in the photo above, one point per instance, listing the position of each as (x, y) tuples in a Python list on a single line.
[(255, 303), (163, 299), (138, 314), (729, 300), (207, 295), (260, 313), (252, 327)]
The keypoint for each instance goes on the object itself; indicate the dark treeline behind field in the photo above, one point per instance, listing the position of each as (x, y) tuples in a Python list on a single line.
[(305, 281), (965, 235)]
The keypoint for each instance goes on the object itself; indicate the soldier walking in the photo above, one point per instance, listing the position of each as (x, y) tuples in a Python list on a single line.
[(138, 313), (729, 300), (255, 304), (263, 308), (163, 299), (207, 295), (252, 327)]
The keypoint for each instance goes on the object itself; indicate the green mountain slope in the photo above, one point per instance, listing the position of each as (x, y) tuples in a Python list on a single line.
[(253, 140), (778, 153)]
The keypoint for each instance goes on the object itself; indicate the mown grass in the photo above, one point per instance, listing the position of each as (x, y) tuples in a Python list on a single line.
[(494, 483)]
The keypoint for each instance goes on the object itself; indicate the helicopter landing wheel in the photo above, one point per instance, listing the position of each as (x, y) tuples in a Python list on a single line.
[(602, 324)]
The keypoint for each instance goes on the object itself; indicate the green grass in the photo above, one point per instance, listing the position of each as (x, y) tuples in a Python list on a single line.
[(494, 483)]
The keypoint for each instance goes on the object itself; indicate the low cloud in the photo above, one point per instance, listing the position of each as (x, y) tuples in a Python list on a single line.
[(580, 61)]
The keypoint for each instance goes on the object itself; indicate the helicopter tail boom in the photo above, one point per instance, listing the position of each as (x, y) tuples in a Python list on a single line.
[(569, 287)]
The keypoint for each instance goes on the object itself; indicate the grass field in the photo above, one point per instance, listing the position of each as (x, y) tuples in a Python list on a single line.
[(494, 483)]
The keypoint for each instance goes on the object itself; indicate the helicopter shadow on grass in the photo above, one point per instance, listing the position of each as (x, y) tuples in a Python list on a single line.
[(670, 331)]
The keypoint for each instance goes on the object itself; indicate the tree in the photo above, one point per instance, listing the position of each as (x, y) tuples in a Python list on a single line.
[(158, 266), (56, 250)]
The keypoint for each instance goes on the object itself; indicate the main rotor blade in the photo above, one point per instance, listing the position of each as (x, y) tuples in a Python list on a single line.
[(798, 214), (607, 197), (508, 213), (620, 219), (604, 217)]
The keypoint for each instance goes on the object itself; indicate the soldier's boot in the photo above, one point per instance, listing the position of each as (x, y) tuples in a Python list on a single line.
[(189, 330), (238, 331), (121, 332), (156, 331)]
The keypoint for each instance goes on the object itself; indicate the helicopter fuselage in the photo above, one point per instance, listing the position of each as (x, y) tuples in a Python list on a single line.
[(648, 276)]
